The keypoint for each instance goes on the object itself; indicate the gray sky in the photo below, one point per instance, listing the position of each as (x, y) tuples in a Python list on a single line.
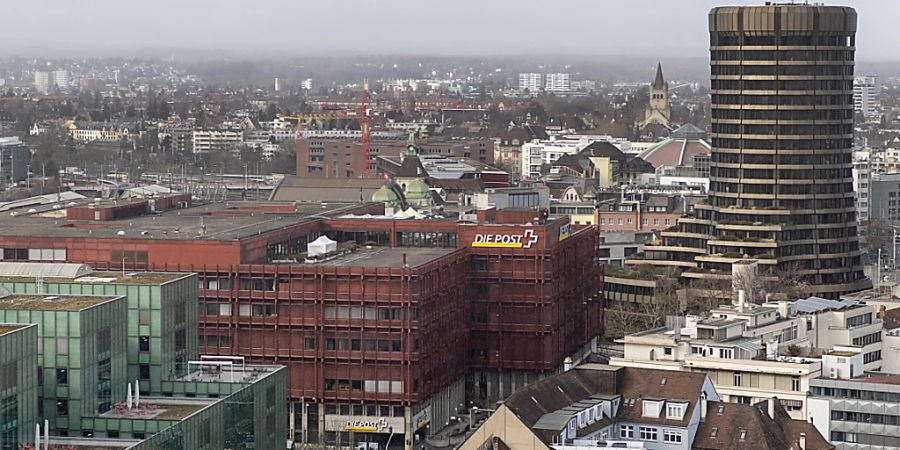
[(460, 27)]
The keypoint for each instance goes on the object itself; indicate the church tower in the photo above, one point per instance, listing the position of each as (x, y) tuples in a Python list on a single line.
[(658, 109)]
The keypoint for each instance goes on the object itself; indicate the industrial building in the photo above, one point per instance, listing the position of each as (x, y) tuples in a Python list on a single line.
[(392, 327)]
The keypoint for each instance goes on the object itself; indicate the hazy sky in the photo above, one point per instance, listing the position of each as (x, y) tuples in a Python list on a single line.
[(461, 27)]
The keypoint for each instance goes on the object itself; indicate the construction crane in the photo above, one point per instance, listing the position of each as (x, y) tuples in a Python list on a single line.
[(343, 114)]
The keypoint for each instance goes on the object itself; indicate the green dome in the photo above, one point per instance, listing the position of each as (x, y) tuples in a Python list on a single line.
[(386, 195), (417, 189)]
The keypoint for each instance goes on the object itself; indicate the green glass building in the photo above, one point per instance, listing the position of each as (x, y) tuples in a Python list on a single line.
[(162, 315), (80, 353), (18, 384)]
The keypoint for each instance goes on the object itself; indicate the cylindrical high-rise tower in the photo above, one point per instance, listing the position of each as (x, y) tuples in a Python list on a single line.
[(782, 129)]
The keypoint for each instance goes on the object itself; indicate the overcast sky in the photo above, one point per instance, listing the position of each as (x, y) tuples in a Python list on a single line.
[(657, 28)]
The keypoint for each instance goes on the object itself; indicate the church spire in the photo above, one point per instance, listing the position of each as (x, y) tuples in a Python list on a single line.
[(659, 82)]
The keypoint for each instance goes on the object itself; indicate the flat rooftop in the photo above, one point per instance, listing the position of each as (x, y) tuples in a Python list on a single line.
[(387, 257), (211, 373), (51, 302), (10, 327), (135, 278), (214, 221), (160, 408)]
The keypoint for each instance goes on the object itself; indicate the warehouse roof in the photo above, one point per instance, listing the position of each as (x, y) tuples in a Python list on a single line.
[(43, 270)]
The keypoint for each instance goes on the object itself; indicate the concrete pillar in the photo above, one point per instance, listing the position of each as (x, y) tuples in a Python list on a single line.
[(304, 421), (408, 435), (322, 422), (291, 420)]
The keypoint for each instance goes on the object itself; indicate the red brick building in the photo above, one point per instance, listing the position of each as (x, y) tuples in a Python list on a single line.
[(390, 333)]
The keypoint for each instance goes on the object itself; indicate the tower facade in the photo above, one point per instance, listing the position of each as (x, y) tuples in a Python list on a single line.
[(781, 187), (658, 108)]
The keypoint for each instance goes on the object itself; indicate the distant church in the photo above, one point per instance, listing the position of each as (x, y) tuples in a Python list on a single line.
[(657, 112)]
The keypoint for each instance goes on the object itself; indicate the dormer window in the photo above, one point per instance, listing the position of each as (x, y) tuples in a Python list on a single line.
[(675, 411), (652, 408)]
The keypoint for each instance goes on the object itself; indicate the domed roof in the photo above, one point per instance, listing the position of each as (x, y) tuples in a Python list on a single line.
[(386, 195), (417, 189)]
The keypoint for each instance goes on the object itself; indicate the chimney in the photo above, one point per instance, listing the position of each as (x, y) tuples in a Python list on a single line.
[(703, 406), (567, 364), (802, 441), (770, 403)]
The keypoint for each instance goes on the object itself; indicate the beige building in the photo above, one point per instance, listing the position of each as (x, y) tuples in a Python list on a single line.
[(658, 111)]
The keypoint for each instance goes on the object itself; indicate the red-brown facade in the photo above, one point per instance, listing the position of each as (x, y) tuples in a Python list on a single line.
[(521, 299)]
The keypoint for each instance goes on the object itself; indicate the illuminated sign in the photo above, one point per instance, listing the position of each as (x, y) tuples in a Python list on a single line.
[(524, 240), (367, 425), (564, 231)]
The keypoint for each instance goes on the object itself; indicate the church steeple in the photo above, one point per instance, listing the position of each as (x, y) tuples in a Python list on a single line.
[(659, 82)]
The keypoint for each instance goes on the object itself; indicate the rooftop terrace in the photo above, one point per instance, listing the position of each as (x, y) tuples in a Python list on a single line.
[(8, 328), (387, 257), (159, 408), (51, 302)]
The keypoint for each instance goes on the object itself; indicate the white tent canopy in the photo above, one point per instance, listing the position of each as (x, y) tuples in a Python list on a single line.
[(321, 246)]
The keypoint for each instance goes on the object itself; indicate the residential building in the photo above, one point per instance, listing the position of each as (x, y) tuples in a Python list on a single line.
[(728, 346), (531, 82), (538, 155), (14, 160), (340, 157), (53, 81), (862, 175), (865, 94), (806, 227), (508, 150), (855, 409), (557, 82), (597, 406), (884, 196), (100, 131), (18, 384), (222, 139)]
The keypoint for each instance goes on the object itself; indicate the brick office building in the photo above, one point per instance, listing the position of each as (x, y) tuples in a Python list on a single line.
[(378, 341)]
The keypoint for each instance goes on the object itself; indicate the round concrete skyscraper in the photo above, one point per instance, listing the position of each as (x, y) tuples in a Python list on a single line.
[(782, 130), (781, 190)]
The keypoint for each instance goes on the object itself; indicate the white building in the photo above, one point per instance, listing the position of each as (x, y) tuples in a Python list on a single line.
[(861, 173), (307, 84), (46, 82), (538, 152), (217, 139), (753, 352), (532, 81), (865, 94), (557, 82)]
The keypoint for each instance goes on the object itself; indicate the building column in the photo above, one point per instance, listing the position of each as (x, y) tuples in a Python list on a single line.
[(322, 422), (408, 434), (304, 422), (291, 420)]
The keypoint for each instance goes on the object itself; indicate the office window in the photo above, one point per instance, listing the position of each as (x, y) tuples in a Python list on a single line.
[(62, 407), (667, 351), (144, 371), (143, 316), (795, 384), (310, 343), (626, 432), (144, 343), (737, 378), (62, 376)]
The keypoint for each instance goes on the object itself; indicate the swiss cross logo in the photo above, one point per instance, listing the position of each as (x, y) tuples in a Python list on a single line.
[(529, 238)]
